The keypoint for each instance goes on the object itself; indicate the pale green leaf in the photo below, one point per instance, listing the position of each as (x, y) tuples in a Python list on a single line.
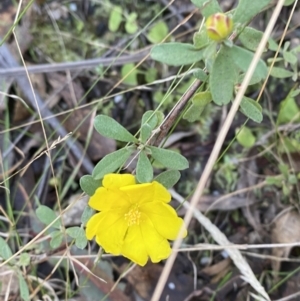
[(109, 127), (131, 26), (250, 38), (146, 132), (251, 109), (288, 112), (144, 169), (222, 78), (5, 251), (56, 239), (200, 74), (242, 58), (24, 291), (246, 10), (176, 54), (207, 7), (290, 57), (168, 158), (73, 232), (281, 73), (168, 178), (158, 32), (111, 163), (88, 212), (200, 39), (245, 137), (24, 259), (151, 118), (151, 75), (193, 113), (81, 241), (115, 18), (46, 215), (89, 185), (129, 73), (202, 98)]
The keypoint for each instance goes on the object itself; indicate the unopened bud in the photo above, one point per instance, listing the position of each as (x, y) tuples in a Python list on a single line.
[(219, 27)]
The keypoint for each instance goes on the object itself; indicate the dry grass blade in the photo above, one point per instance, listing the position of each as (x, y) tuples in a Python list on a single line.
[(210, 164)]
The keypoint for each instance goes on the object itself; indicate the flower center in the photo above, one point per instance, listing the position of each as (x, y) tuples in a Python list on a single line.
[(133, 216)]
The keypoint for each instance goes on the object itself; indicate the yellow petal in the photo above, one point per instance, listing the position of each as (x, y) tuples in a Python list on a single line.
[(92, 226), (113, 181), (111, 230), (104, 199), (164, 219), (134, 247)]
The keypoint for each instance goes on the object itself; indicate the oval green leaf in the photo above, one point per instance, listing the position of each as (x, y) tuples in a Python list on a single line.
[(245, 137), (89, 185), (145, 132), (144, 169), (222, 78), (24, 291), (109, 127), (251, 109), (111, 163), (56, 239), (169, 159), (5, 251), (46, 215), (281, 73), (150, 117), (168, 178), (176, 54), (250, 38)]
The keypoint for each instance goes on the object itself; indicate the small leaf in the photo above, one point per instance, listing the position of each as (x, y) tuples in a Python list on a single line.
[(168, 178), (250, 38), (281, 73), (150, 117), (290, 57), (115, 18), (111, 163), (251, 109), (131, 26), (246, 10), (129, 73), (288, 112), (150, 75), (200, 39), (5, 251), (222, 78), (169, 158), (207, 7), (89, 185), (73, 232), (158, 32), (109, 127), (46, 215), (24, 291), (193, 113), (144, 170), (56, 239), (88, 212), (146, 132), (81, 242), (176, 54), (202, 99), (245, 137), (200, 74), (242, 58), (24, 259)]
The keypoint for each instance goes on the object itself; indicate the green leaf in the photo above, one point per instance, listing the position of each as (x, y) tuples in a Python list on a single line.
[(202, 99), (200, 39), (131, 78), (242, 58), (111, 163), (146, 132), (46, 215), (109, 127), (81, 241), (200, 74), (168, 178), (131, 26), (5, 251), (88, 212), (207, 7), (151, 118), (246, 10), (89, 185), (56, 239), (73, 232), (288, 112), (24, 291), (150, 75), (193, 113), (245, 137), (115, 18), (144, 170), (281, 73), (169, 159), (222, 78), (251, 109), (158, 32), (24, 259), (176, 54), (290, 57), (250, 38), (288, 2)]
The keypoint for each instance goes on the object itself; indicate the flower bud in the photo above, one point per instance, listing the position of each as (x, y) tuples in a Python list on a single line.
[(218, 26)]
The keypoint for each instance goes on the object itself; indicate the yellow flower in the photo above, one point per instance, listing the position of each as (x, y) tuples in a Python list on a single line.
[(134, 219)]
